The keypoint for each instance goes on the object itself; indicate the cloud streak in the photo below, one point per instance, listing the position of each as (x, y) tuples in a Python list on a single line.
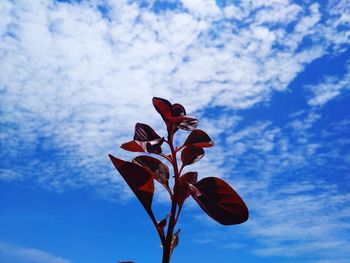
[(331, 87), (14, 254)]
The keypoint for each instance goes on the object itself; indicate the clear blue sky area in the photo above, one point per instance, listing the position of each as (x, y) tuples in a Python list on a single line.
[(268, 80)]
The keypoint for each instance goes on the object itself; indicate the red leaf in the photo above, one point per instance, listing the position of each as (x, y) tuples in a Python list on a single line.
[(158, 169), (188, 124), (139, 179), (184, 122), (163, 106), (191, 154), (162, 223), (178, 110), (219, 201), (174, 241), (145, 140), (174, 115), (155, 146), (190, 177), (199, 138), (132, 146), (183, 186), (145, 133)]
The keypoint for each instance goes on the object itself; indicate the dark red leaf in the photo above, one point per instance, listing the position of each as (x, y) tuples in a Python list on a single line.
[(138, 146), (191, 154), (190, 177), (163, 106), (188, 124), (158, 169), (145, 133), (162, 223), (183, 190), (184, 122), (145, 138), (174, 241), (132, 146), (155, 146), (178, 110), (219, 201), (174, 115), (199, 138), (139, 179)]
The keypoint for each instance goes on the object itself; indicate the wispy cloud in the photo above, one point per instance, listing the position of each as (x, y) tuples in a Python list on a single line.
[(75, 77), (15, 254), (329, 88)]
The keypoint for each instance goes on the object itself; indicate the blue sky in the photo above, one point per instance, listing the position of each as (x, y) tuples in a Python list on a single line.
[(268, 80)]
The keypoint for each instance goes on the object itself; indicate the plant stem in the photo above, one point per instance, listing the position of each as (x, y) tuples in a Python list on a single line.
[(160, 233), (172, 222), (167, 245)]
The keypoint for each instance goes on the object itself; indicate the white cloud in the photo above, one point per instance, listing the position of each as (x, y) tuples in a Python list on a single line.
[(283, 173), (331, 87), (14, 254), (202, 8), (279, 13), (340, 8), (9, 175), (76, 78)]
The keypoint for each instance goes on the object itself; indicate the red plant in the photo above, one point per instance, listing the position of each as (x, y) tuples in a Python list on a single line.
[(212, 194)]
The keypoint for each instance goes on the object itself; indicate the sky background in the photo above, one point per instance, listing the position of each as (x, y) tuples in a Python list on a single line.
[(268, 80)]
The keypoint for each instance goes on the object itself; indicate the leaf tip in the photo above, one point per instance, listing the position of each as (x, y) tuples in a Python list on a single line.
[(117, 162)]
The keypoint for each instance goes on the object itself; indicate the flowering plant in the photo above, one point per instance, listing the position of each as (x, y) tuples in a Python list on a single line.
[(217, 199)]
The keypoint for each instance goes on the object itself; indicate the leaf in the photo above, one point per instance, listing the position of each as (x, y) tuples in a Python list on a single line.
[(183, 186), (145, 133), (158, 169), (174, 241), (139, 179), (178, 110), (155, 146), (132, 146), (190, 177), (126, 262), (183, 122), (145, 140), (174, 115), (199, 138), (219, 201), (161, 225), (163, 107), (188, 124), (191, 154)]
